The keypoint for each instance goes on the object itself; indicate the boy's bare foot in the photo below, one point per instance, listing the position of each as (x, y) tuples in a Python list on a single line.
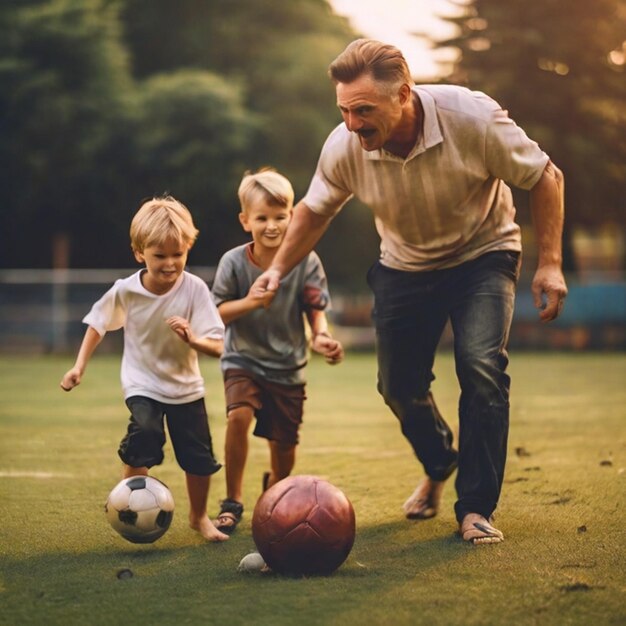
[(207, 529), (478, 530), (423, 503)]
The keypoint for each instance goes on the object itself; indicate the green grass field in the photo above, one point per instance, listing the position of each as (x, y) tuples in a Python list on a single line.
[(561, 508)]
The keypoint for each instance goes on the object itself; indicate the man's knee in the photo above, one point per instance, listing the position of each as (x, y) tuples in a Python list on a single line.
[(405, 404), (484, 375), (404, 399)]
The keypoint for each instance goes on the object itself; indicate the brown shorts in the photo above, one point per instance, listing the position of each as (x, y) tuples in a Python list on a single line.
[(278, 408)]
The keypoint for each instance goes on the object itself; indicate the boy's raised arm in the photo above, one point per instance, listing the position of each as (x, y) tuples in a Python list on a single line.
[(207, 345)]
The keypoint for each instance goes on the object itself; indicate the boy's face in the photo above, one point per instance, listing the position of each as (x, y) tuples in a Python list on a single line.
[(266, 223), (164, 264)]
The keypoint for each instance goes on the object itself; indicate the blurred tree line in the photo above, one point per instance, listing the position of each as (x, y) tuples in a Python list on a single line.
[(559, 67), (104, 103)]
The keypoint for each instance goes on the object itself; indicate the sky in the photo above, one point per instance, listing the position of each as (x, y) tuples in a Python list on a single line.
[(393, 21)]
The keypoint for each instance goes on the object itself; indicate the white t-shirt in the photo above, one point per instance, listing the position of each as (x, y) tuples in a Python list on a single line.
[(448, 201), (156, 363)]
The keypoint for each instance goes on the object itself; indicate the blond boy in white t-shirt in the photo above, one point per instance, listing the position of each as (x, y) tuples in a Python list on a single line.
[(167, 315)]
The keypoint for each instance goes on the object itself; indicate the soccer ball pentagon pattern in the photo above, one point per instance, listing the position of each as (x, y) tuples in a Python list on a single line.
[(303, 526), (140, 508)]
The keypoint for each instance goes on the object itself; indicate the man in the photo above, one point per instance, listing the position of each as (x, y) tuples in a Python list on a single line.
[(433, 163)]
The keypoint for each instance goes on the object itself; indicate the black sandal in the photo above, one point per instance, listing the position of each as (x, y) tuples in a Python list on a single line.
[(229, 516)]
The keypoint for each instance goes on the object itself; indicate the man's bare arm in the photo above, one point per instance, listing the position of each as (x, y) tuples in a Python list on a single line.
[(305, 230), (547, 208)]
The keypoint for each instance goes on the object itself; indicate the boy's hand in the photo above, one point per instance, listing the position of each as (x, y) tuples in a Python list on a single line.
[(328, 347), (269, 280), (71, 379), (260, 296), (181, 327)]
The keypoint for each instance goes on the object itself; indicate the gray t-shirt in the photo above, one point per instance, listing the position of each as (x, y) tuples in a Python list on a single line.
[(269, 342)]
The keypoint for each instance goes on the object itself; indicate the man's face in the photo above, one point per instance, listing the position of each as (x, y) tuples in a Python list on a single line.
[(369, 110)]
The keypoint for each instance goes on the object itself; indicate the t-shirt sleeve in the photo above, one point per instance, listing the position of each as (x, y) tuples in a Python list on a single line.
[(315, 293), (327, 191), (224, 286), (108, 313), (205, 319), (510, 154)]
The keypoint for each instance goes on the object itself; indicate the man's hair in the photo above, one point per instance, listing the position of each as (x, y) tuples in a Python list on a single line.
[(160, 220), (383, 62), (267, 184)]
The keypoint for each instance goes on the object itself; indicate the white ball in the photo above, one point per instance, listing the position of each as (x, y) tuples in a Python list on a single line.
[(140, 509), (252, 562)]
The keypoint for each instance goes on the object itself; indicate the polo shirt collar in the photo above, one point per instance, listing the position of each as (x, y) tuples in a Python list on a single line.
[(431, 135)]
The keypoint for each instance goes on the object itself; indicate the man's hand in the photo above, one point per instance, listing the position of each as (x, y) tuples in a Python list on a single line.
[(549, 292), (265, 286)]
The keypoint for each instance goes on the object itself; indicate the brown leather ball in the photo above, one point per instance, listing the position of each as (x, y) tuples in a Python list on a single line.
[(303, 526)]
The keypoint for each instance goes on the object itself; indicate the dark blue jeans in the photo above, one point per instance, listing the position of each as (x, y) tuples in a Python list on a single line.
[(410, 312)]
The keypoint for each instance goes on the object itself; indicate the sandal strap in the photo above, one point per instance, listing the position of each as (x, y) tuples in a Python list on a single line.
[(231, 506)]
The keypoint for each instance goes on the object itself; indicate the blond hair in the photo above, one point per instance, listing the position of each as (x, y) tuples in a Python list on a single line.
[(160, 220), (268, 185), (383, 62)]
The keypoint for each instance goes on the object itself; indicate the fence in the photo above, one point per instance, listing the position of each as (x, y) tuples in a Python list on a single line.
[(41, 312)]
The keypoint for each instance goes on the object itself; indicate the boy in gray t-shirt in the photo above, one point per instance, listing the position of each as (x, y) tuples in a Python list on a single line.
[(265, 348)]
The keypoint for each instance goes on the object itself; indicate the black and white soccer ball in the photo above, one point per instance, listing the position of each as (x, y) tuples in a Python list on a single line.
[(140, 508)]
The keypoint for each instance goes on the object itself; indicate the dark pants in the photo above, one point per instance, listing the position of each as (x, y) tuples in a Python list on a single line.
[(410, 313), (188, 427)]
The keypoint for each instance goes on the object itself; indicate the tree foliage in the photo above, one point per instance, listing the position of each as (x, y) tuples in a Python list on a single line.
[(192, 137), (277, 52), (106, 102), (558, 67), (61, 76)]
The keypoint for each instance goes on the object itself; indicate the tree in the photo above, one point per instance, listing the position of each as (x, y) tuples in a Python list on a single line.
[(191, 135), (278, 52), (106, 102), (61, 77), (558, 66)]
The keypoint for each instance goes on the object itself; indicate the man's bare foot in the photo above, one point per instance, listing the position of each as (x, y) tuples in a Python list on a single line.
[(424, 501), (478, 530), (207, 529)]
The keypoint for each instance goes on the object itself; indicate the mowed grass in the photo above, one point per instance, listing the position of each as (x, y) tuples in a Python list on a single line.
[(562, 507)]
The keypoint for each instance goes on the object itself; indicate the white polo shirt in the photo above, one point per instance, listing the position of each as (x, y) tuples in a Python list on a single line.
[(448, 202)]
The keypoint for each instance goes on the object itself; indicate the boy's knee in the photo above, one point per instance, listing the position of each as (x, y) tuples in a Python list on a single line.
[(240, 416), (283, 448)]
